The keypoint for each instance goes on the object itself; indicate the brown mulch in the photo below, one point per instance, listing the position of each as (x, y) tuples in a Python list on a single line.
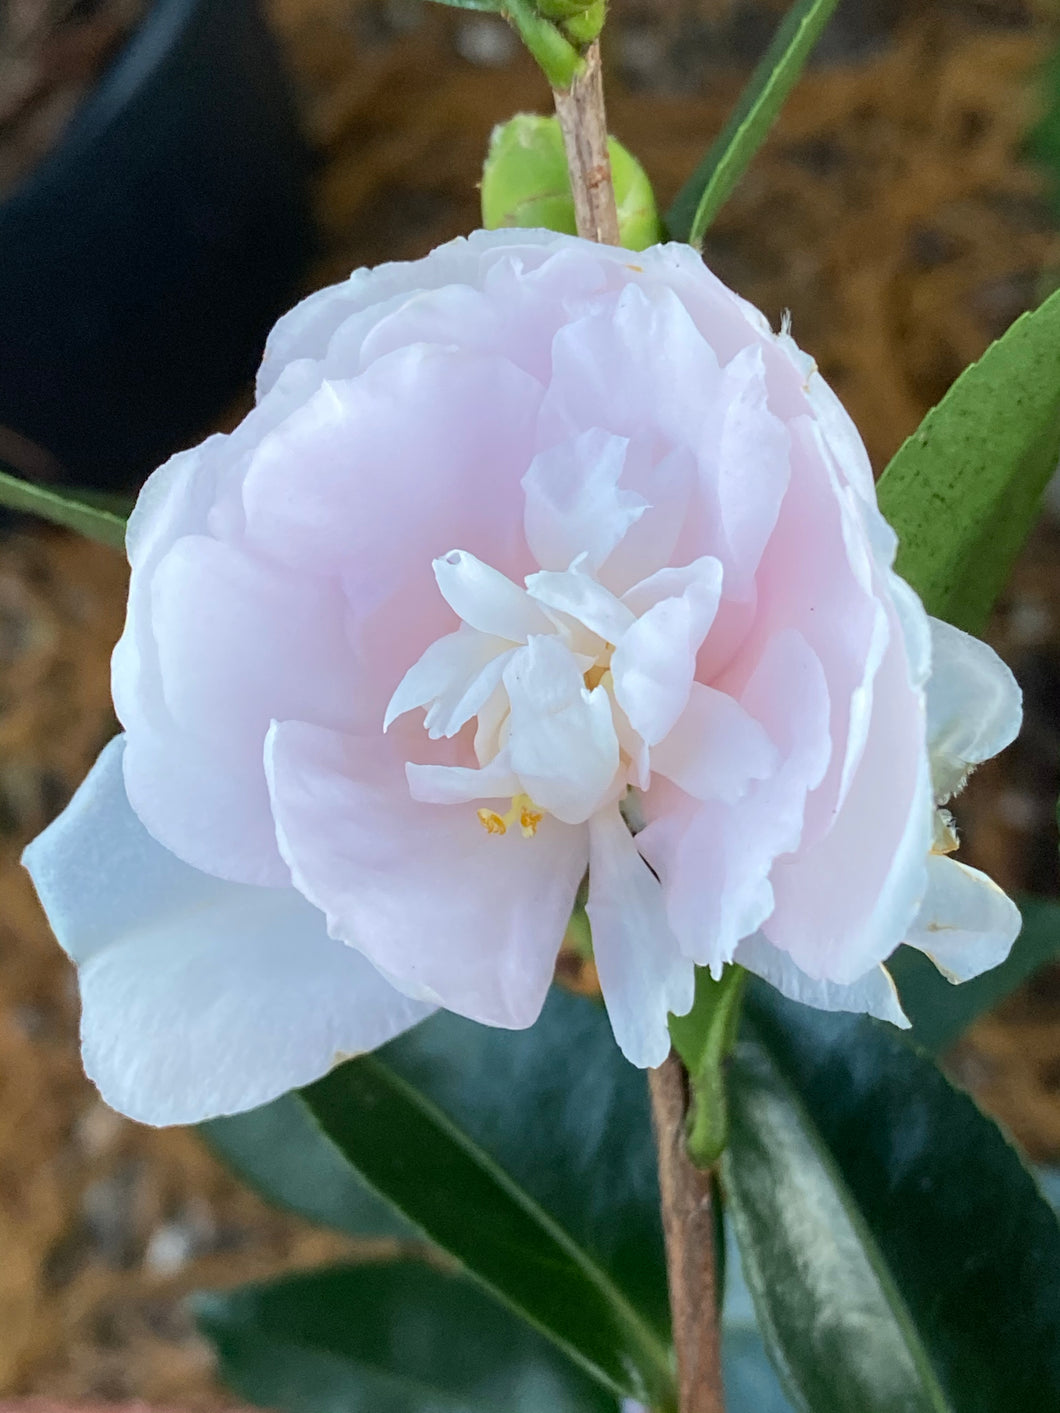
[(890, 212)]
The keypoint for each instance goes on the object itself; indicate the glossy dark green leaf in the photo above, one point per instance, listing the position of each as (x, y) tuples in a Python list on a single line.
[(901, 1258), (711, 184), (63, 507), (940, 1011), (527, 1156), (751, 1382), (964, 491), (280, 1152), (395, 1338)]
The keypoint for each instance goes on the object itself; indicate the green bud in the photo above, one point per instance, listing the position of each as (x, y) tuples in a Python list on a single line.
[(525, 182), (585, 24), (562, 10)]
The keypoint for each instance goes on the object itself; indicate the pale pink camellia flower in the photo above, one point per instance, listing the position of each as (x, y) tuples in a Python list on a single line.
[(534, 559)]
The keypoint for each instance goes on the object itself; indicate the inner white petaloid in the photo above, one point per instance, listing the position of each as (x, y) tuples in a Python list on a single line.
[(578, 693)]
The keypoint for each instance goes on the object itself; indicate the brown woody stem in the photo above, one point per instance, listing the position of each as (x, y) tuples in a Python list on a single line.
[(688, 1225), (583, 122)]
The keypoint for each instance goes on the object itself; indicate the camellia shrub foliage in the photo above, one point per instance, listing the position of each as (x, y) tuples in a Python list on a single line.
[(546, 592)]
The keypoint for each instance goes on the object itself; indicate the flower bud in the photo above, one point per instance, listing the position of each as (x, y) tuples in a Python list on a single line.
[(525, 182)]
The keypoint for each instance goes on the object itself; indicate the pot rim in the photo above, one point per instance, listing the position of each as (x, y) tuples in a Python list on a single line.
[(142, 54)]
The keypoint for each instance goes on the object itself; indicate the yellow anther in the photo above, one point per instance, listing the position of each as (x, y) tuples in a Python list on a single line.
[(523, 811)]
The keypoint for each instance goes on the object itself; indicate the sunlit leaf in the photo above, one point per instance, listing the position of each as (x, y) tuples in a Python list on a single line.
[(711, 184), (964, 491)]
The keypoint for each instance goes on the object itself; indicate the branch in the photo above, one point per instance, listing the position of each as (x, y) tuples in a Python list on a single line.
[(583, 122), (688, 1225)]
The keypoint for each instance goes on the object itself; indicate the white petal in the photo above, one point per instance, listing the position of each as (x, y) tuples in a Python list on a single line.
[(454, 677), (573, 502), (715, 749), (669, 583), (873, 994), (562, 739), (636, 750), (492, 725), (654, 664), (642, 973), (486, 599), (459, 784), (966, 924), (199, 997), (573, 592), (974, 706)]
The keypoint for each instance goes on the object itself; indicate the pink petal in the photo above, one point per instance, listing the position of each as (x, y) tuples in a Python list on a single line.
[(574, 505), (715, 860), (468, 920), (715, 749), (236, 641), (846, 901)]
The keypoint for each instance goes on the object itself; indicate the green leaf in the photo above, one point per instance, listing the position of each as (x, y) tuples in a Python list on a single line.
[(963, 492), (527, 1156), (63, 507), (711, 184), (400, 1338), (940, 1011), (901, 1258), (280, 1152)]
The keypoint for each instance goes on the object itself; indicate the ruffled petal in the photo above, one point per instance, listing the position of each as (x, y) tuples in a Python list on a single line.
[(974, 707), (753, 467), (453, 679), (642, 972), (845, 902), (966, 924), (486, 599), (469, 920), (715, 749), (575, 593), (199, 997), (237, 641), (655, 662), (873, 994), (715, 860), (460, 784), (562, 738), (574, 505)]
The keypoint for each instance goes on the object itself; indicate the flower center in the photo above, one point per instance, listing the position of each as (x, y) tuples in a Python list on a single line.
[(523, 810), (568, 684)]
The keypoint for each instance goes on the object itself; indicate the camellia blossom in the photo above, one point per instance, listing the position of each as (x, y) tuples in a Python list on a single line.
[(534, 560)]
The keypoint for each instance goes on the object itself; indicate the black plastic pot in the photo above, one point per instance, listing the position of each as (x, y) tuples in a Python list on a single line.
[(144, 260)]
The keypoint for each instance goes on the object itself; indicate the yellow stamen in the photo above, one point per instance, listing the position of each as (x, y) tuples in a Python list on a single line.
[(523, 811)]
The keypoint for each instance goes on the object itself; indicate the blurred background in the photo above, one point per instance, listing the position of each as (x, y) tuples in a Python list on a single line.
[(172, 174)]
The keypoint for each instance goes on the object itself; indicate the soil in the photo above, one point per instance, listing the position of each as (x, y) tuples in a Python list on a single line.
[(891, 212)]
